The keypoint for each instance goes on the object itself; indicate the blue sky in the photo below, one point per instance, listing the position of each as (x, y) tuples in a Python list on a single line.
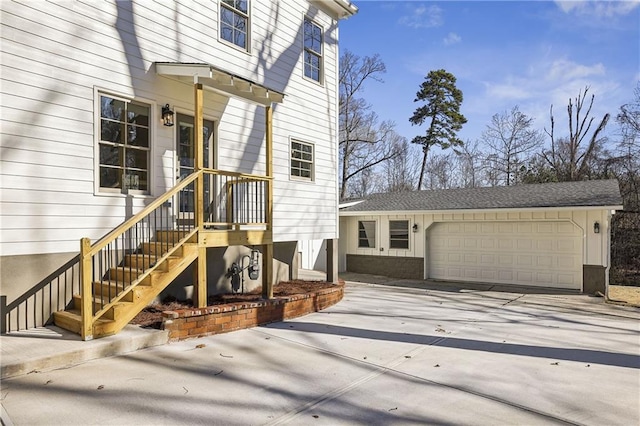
[(503, 53)]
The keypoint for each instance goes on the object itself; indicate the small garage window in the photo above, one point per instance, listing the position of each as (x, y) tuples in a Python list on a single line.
[(366, 234), (399, 234)]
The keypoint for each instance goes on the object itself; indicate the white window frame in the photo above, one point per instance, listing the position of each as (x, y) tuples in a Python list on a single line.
[(99, 190), (319, 55), (375, 227), (398, 239), (235, 11), (312, 162)]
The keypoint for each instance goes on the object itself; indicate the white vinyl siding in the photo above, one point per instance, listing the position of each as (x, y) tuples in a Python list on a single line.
[(442, 237), (56, 55)]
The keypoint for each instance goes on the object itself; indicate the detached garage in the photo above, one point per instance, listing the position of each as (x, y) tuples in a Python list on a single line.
[(553, 235)]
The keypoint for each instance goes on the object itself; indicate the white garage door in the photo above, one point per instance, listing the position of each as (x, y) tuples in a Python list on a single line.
[(546, 254)]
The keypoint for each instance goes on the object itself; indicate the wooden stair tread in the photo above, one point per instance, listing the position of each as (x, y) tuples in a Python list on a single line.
[(163, 272), (74, 315), (97, 299)]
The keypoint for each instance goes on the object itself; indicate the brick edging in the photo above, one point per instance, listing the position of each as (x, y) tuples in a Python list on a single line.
[(187, 323)]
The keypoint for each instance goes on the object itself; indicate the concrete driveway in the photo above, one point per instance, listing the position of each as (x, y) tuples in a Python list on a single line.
[(386, 354)]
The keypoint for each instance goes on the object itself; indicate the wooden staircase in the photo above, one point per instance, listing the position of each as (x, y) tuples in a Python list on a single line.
[(122, 272), (133, 285)]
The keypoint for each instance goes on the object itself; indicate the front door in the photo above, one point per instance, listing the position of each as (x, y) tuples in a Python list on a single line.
[(185, 138)]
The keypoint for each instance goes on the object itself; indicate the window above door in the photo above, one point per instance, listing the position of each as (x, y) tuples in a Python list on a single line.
[(234, 22)]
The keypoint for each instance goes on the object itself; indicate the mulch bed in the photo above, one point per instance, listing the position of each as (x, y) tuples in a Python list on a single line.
[(151, 316)]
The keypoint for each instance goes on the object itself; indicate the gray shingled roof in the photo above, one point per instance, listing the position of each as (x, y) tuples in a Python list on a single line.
[(561, 194)]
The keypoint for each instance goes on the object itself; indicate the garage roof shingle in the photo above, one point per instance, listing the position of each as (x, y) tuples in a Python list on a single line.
[(591, 193)]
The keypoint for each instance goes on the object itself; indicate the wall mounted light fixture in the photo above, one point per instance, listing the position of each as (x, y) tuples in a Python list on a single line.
[(167, 115), (596, 227), (415, 227)]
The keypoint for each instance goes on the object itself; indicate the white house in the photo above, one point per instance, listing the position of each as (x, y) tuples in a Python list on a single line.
[(102, 196), (544, 235)]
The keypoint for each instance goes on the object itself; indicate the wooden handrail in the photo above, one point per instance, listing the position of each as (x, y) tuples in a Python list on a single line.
[(105, 240), (235, 224), (88, 251), (237, 174), (141, 277)]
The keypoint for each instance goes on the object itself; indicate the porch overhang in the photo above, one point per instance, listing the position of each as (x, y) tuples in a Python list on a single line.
[(342, 8), (220, 81)]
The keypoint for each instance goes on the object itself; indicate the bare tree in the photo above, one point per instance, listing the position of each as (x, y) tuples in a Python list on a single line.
[(439, 172), (400, 172), (510, 138), (537, 170), (469, 164), (490, 170), (365, 183), (364, 142), (629, 119), (570, 157), (628, 152)]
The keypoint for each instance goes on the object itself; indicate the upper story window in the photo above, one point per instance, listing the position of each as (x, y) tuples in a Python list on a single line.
[(399, 234), (234, 22), (124, 144), (301, 160), (366, 234), (312, 50)]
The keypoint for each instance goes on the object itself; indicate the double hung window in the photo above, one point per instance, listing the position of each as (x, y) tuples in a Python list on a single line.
[(124, 144), (301, 160), (312, 50), (399, 234), (234, 22)]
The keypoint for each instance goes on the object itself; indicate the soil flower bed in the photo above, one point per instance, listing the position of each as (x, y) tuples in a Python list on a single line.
[(228, 312)]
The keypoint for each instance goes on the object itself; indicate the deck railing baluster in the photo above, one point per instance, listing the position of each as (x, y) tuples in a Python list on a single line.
[(231, 200)]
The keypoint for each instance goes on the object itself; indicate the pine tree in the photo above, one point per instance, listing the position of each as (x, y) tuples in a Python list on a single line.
[(441, 112)]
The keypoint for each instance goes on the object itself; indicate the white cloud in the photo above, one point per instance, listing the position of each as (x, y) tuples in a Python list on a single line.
[(562, 70), (508, 91), (598, 8), (564, 80), (452, 38), (534, 86), (423, 17)]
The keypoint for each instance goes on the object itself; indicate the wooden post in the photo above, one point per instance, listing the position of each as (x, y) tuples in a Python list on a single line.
[(200, 287), (200, 290), (199, 151), (267, 271), (3, 314), (267, 253), (86, 278), (268, 112), (229, 201), (332, 260)]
